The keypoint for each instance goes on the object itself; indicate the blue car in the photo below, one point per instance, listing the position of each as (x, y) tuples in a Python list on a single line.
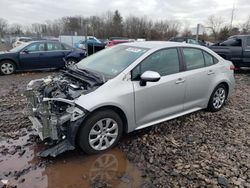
[(39, 55), (94, 45)]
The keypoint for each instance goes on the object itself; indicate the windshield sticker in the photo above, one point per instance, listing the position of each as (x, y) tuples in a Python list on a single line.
[(135, 50)]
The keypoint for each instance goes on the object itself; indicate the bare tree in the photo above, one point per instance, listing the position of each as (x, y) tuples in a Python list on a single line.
[(137, 27), (224, 33), (117, 24), (186, 32), (245, 27), (3, 26), (215, 24), (15, 29)]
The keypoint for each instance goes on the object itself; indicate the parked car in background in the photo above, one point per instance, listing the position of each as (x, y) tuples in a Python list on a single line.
[(39, 55), (116, 40), (236, 49), (21, 40), (93, 44), (125, 88), (90, 40), (190, 41), (140, 40)]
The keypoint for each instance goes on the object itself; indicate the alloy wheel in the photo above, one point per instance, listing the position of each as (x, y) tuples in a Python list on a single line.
[(103, 134), (7, 68), (219, 98)]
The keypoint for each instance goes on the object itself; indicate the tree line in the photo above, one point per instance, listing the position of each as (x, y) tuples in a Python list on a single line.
[(112, 24)]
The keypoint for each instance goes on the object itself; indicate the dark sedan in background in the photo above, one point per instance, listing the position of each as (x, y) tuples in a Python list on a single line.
[(39, 55)]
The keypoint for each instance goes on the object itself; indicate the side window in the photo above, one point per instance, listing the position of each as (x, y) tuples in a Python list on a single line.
[(66, 47), (193, 58), (232, 42), (36, 47), (209, 59), (164, 62), (52, 46)]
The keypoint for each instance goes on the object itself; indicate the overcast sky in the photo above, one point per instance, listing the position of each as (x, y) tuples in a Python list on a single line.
[(190, 11)]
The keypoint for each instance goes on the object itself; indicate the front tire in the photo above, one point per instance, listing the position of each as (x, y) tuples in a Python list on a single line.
[(7, 67), (100, 132), (70, 62), (218, 98)]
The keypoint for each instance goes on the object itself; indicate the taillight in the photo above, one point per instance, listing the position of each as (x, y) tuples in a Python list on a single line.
[(232, 67)]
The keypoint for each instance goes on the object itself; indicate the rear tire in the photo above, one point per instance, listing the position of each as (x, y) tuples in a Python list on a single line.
[(7, 67), (100, 132), (218, 98)]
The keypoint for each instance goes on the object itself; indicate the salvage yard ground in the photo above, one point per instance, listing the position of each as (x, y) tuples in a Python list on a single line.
[(201, 149)]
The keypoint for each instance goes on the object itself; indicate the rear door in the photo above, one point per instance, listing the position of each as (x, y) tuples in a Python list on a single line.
[(200, 77), (33, 56), (55, 55), (234, 49), (158, 100), (246, 52)]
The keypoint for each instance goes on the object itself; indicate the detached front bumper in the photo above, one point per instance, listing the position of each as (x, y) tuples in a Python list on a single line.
[(59, 129)]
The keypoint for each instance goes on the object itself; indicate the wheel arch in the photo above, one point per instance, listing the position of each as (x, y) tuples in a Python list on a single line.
[(116, 109), (16, 65), (226, 85), (223, 83), (9, 59)]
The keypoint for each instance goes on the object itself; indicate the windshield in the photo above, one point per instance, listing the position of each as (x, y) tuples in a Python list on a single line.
[(18, 48), (112, 61)]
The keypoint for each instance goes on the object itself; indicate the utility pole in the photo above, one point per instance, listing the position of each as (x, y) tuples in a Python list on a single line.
[(197, 32), (232, 15)]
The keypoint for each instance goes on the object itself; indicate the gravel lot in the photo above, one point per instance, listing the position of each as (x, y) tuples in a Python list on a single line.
[(197, 150)]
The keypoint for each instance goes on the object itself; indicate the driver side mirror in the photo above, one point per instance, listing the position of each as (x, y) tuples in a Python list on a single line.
[(149, 76), (26, 51)]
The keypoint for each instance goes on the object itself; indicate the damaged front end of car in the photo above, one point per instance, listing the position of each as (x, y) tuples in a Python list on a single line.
[(53, 112)]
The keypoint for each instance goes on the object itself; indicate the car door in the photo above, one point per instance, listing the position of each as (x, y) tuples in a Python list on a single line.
[(246, 52), (55, 55), (33, 56), (157, 100), (200, 77)]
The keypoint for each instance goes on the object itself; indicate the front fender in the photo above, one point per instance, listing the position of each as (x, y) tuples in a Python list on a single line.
[(113, 93)]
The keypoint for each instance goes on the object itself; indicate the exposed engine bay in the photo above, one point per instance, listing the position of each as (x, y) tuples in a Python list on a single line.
[(52, 110)]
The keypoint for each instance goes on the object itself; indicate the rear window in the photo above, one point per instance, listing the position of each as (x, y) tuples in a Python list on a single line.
[(231, 42), (209, 59), (54, 46), (66, 46), (194, 58)]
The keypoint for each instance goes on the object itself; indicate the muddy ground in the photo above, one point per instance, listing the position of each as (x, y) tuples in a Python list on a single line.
[(198, 150)]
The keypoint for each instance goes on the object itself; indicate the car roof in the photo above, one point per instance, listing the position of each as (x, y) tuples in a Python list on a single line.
[(42, 40), (238, 36), (24, 37), (159, 44)]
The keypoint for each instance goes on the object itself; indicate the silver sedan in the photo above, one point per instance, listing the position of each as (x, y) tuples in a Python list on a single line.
[(129, 87)]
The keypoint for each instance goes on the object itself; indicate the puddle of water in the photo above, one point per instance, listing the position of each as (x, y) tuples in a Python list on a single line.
[(70, 170)]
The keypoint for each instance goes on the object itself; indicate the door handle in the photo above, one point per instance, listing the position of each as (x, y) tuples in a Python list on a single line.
[(41, 54), (180, 80), (210, 72)]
